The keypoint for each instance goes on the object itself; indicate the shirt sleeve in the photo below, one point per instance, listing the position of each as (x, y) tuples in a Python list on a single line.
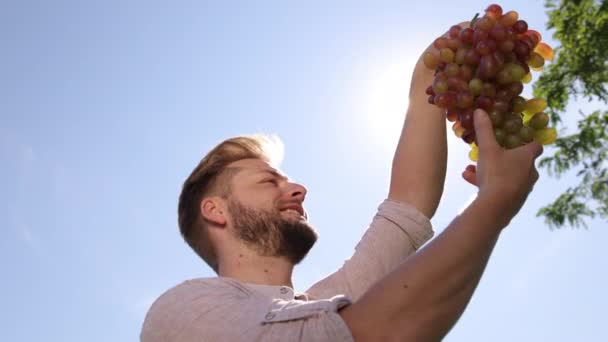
[(212, 311), (396, 231)]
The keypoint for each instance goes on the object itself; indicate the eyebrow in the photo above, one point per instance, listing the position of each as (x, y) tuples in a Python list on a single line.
[(274, 173)]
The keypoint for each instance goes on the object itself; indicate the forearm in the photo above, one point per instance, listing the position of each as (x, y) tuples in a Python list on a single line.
[(419, 163), (426, 295)]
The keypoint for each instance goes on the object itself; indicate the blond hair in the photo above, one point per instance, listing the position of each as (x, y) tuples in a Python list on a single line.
[(212, 177)]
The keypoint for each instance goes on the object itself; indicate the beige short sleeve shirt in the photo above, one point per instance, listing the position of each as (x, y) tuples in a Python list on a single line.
[(225, 309)]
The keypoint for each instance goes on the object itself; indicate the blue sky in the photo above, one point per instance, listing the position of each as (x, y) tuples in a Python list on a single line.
[(105, 107)]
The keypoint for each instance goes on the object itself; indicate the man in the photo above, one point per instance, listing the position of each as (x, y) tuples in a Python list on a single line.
[(246, 219)]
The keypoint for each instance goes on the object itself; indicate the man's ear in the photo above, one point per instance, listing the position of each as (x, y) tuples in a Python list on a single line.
[(213, 210)]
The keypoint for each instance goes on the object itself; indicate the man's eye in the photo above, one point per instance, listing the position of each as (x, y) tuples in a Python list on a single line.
[(270, 180)]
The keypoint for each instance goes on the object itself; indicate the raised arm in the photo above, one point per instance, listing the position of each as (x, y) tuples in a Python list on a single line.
[(419, 164), (425, 296), (402, 224)]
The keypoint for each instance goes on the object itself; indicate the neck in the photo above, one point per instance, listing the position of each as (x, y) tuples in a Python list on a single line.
[(248, 267)]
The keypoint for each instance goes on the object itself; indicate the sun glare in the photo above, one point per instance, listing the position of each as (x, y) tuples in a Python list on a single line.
[(386, 102)]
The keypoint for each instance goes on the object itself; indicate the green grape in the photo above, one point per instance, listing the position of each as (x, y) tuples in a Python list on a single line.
[(545, 136), (516, 70), (500, 106), (509, 18), (518, 104), (539, 120), (526, 134), (501, 136), (535, 105), (446, 55), (497, 118), (512, 124), (535, 60), (430, 59), (512, 141), (475, 86), (474, 153)]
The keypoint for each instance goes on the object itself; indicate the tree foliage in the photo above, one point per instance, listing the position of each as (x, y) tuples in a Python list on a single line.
[(579, 72)]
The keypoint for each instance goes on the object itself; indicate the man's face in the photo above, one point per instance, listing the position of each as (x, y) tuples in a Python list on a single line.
[(266, 211)]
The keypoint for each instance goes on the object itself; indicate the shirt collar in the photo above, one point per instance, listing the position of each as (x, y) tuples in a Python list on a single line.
[(283, 292)]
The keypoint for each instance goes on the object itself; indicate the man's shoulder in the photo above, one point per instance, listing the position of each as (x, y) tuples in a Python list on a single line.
[(188, 300), (199, 290)]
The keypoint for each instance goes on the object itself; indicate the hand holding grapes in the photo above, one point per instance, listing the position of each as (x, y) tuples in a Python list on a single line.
[(503, 176)]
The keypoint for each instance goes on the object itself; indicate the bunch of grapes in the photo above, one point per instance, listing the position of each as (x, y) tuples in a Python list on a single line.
[(485, 66)]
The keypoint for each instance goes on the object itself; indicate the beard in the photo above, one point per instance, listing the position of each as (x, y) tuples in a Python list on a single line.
[(270, 234)]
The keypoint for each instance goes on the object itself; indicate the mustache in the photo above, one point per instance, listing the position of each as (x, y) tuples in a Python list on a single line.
[(297, 205)]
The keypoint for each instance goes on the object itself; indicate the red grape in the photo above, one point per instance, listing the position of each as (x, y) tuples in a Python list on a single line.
[(466, 35), (440, 43), (521, 49), (469, 137), (454, 31), (452, 69), (506, 45), (487, 67), (457, 84), (466, 119), (484, 102), (466, 72), (518, 104), (494, 10), (535, 36), (520, 26), (498, 33), (488, 89), (464, 100), (479, 35)]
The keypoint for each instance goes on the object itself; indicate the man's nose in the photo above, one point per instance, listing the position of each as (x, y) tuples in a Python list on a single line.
[(297, 191)]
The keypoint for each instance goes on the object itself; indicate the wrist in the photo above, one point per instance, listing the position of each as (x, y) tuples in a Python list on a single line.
[(492, 209), (421, 104)]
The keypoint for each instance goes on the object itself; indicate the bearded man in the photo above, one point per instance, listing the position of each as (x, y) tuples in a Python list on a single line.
[(245, 218)]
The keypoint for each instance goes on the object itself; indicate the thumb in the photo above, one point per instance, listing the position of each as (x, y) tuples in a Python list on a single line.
[(484, 131)]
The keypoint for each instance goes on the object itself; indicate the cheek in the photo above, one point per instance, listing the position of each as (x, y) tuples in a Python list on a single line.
[(261, 199)]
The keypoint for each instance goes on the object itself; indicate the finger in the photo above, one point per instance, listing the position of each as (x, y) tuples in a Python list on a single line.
[(535, 149), (484, 130), (471, 168), (470, 177), (535, 176)]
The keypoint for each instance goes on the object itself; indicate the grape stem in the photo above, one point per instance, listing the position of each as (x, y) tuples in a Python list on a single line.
[(474, 18)]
